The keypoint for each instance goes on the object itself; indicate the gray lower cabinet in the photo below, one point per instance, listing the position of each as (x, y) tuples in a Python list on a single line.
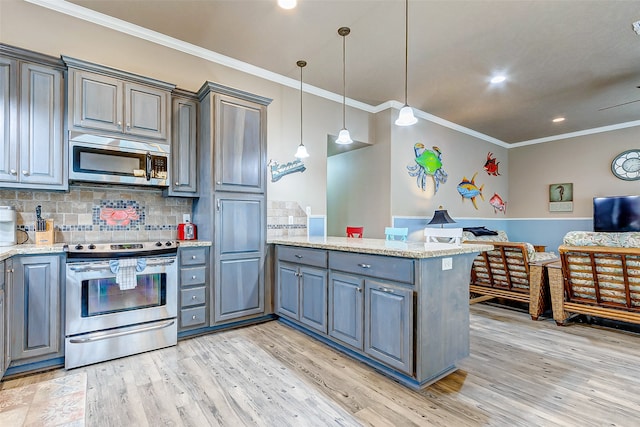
[(346, 296), (35, 307), (194, 288), (113, 101), (239, 256), (301, 286), (184, 165), (388, 324), (32, 152), (3, 322)]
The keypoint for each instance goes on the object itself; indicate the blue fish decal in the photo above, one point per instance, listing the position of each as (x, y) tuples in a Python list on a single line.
[(469, 189)]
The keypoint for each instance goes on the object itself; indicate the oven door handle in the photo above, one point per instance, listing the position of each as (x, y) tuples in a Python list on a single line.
[(104, 336), (105, 266)]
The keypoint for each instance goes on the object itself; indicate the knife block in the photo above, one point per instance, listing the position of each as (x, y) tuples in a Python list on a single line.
[(45, 237)]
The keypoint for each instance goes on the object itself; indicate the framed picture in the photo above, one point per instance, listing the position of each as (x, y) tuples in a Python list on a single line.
[(561, 197)]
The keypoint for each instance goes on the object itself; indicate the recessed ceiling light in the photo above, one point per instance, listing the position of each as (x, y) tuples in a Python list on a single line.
[(287, 4), (558, 120), (498, 79)]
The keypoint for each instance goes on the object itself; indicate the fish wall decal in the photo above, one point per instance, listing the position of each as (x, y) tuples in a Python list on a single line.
[(491, 165), (469, 190), (498, 204)]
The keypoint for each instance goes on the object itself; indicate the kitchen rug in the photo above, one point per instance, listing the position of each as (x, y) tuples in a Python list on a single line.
[(57, 402)]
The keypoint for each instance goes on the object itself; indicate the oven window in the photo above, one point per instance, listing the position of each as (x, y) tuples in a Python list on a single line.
[(103, 296)]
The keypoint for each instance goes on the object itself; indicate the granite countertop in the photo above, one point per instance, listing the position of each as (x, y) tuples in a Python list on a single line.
[(29, 249), (381, 246)]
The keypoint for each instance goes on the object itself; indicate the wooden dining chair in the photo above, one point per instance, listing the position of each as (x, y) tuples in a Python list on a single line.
[(355, 231)]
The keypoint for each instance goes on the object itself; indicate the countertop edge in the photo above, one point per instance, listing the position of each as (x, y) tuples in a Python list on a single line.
[(416, 250)]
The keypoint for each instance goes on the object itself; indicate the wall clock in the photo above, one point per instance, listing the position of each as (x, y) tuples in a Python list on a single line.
[(626, 165)]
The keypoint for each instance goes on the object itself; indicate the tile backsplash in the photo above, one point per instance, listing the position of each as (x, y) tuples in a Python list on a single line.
[(92, 213), (285, 219)]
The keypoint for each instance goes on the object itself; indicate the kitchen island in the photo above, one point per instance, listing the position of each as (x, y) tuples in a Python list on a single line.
[(400, 307)]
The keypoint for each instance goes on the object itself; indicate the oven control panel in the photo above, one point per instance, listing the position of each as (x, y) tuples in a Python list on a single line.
[(119, 250)]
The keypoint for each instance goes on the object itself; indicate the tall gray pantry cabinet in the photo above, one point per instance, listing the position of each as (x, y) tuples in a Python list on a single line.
[(231, 209)]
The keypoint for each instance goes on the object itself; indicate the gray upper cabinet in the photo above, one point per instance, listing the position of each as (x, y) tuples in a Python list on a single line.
[(36, 330), (112, 101), (238, 137), (184, 143), (32, 152)]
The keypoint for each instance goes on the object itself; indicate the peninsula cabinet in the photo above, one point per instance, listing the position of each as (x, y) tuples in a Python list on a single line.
[(184, 144), (301, 292), (107, 100), (32, 153), (369, 314), (403, 312), (35, 308)]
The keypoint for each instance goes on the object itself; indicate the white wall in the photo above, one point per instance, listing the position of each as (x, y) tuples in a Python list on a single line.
[(584, 161)]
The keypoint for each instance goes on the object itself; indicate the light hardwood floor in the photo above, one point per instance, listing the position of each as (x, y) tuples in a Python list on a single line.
[(520, 373)]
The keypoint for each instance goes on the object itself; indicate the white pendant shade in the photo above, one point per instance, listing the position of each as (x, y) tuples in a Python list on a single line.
[(302, 152), (344, 137), (406, 117), (287, 4)]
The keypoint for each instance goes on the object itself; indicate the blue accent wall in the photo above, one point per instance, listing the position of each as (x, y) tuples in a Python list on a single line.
[(537, 231)]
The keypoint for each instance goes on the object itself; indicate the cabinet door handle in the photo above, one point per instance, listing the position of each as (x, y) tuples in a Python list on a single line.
[(177, 183), (25, 173), (194, 317), (13, 172), (218, 182), (119, 124), (218, 204), (364, 265), (194, 297), (386, 290), (128, 125), (359, 290), (193, 257), (193, 278), (298, 256)]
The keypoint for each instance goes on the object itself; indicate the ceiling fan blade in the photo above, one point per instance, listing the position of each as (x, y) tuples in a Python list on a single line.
[(618, 105)]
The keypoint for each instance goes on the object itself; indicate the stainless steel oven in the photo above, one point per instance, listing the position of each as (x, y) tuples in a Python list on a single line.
[(121, 299)]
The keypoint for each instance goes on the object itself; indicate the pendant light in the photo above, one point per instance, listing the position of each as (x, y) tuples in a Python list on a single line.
[(406, 117), (302, 150), (343, 137)]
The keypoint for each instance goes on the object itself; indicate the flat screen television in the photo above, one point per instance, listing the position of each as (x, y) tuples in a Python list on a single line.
[(616, 214)]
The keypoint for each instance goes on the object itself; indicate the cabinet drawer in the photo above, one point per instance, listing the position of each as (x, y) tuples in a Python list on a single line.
[(383, 267), (192, 296), (314, 257), (192, 276), (193, 316), (193, 256)]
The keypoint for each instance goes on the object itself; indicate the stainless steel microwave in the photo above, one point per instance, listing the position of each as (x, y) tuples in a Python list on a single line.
[(97, 158)]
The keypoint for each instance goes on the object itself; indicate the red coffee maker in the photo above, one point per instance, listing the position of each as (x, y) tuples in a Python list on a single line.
[(186, 231)]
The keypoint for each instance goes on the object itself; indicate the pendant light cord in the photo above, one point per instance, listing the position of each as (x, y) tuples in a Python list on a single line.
[(301, 103), (406, 48), (344, 80)]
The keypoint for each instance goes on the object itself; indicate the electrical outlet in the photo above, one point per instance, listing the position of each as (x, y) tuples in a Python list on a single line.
[(186, 217), (447, 263)]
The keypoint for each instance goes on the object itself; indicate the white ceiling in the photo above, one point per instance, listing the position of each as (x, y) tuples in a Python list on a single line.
[(568, 58)]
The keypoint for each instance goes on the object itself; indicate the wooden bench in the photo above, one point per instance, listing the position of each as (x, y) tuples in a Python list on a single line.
[(600, 281), (506, 272)]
